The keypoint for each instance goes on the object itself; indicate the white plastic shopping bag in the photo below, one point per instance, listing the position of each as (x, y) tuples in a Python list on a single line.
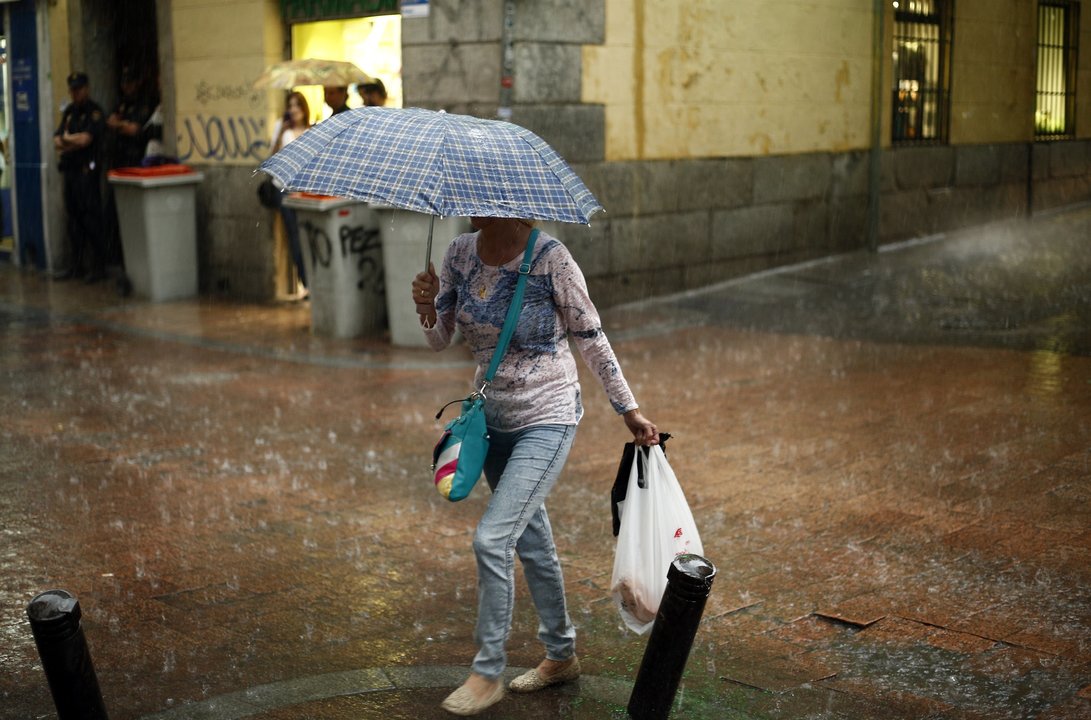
[(656, 527)]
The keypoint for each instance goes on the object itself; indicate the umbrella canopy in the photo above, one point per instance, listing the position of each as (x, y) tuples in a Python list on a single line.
[(310, 71), (434, 162)]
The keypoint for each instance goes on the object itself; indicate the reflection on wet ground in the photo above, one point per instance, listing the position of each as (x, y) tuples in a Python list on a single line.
[(894, 487)]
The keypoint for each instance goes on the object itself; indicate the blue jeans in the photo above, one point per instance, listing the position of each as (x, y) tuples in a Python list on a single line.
[(291, 227), (521, 468)]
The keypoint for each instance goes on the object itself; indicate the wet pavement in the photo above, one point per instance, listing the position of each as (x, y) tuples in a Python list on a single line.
[(888, 457)]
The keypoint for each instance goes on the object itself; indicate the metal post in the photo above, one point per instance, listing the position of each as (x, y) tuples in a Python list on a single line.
[(55, 621), (689, 581)]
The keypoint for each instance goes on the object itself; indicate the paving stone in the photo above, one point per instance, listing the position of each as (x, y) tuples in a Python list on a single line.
[(996, 623), (808, 632), (1053, 640), (959, 641), (1073, 709), (861, 611), (777, 674), (858, 698)]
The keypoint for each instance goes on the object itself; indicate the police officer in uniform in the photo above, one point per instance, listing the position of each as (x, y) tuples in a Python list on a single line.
[(77, 143), (129, 122), (130, 133)]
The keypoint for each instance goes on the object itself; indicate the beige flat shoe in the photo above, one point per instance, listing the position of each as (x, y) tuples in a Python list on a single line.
[(463, 702), (533, 681)]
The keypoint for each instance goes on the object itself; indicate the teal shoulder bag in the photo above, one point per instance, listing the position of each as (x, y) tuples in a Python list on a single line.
[(459, 457)]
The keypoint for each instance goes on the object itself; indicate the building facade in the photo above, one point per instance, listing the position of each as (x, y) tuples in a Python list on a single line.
[(721, 137)]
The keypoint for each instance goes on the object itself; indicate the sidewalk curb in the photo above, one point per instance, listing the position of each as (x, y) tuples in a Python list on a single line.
[(274, 696)]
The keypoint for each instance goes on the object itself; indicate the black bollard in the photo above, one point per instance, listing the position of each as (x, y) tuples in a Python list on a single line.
[(55, 621), (689, 582)]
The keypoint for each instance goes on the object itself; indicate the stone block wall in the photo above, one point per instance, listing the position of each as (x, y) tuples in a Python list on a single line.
[(681, 224), (676, 225), (234, 235), (1062, 174), (927, 190)]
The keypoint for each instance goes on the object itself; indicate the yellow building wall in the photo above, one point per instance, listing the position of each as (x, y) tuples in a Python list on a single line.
[(217, 57), (993, 71), (709, 78), (59, 58)]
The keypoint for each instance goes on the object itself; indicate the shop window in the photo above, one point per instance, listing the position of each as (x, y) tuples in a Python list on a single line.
[(1058, 37), (922, 71), (373, 43)]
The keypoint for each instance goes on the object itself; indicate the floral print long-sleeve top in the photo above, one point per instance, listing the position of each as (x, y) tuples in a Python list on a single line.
[(536, 382)]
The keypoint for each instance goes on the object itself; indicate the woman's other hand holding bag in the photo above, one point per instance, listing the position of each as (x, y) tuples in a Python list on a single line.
[(643, 429)]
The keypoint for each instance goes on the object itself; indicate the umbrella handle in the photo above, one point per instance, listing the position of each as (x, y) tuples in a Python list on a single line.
[(428, 252)]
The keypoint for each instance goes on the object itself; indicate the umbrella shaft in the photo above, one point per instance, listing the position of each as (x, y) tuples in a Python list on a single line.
[(428, 251)]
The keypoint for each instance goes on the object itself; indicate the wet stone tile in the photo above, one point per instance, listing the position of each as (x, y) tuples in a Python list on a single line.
[(777, 675), (1076, 708), (861, 611), (245, 453), (1055, 639), (959, 641), (996, 622), (809, 632), (855, 698)]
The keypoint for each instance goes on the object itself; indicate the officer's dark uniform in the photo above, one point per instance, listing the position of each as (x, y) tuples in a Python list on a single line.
[(82, 198), (137, 108), (127, 151)]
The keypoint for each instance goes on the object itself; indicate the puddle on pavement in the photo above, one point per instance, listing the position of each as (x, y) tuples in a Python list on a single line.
[(989, 682)]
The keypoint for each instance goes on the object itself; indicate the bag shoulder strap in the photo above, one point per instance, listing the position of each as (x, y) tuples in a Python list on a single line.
[(514, 309)]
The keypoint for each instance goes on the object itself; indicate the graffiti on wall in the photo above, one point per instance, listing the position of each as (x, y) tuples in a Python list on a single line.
[(216, 138), (225, 137), (207, 92), (357, 246)]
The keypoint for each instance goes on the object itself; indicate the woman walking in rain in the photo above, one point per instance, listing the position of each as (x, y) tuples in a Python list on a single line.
[(534, 403)]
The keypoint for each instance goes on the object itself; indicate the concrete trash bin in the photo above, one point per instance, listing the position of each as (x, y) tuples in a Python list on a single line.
[(343, 258), (157, 219), (405, 240)]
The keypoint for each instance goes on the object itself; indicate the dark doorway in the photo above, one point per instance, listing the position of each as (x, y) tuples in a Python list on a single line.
[(137, 41), (133, 97)]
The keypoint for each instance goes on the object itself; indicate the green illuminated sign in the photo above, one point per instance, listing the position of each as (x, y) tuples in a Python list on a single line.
[(313, 10)]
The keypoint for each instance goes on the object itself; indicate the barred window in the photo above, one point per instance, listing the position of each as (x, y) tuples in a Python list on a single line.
[(1058, 34), (922, 70)]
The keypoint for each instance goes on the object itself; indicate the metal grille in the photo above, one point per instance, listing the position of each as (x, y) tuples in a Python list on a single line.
[(1055, 113), (922, 71)]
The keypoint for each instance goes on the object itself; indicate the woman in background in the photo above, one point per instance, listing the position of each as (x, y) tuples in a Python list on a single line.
[(296, 121)]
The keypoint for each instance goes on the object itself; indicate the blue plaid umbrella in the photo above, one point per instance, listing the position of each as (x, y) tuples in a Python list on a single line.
[(434, 162)]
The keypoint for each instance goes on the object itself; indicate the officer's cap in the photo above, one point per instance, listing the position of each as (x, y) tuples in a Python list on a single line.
[(77, 80)]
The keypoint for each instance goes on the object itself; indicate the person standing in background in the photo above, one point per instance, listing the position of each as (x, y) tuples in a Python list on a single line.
[(337, 97), (373, 93), (77, 142), (296, 121), (130, 133), (129, 122)]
